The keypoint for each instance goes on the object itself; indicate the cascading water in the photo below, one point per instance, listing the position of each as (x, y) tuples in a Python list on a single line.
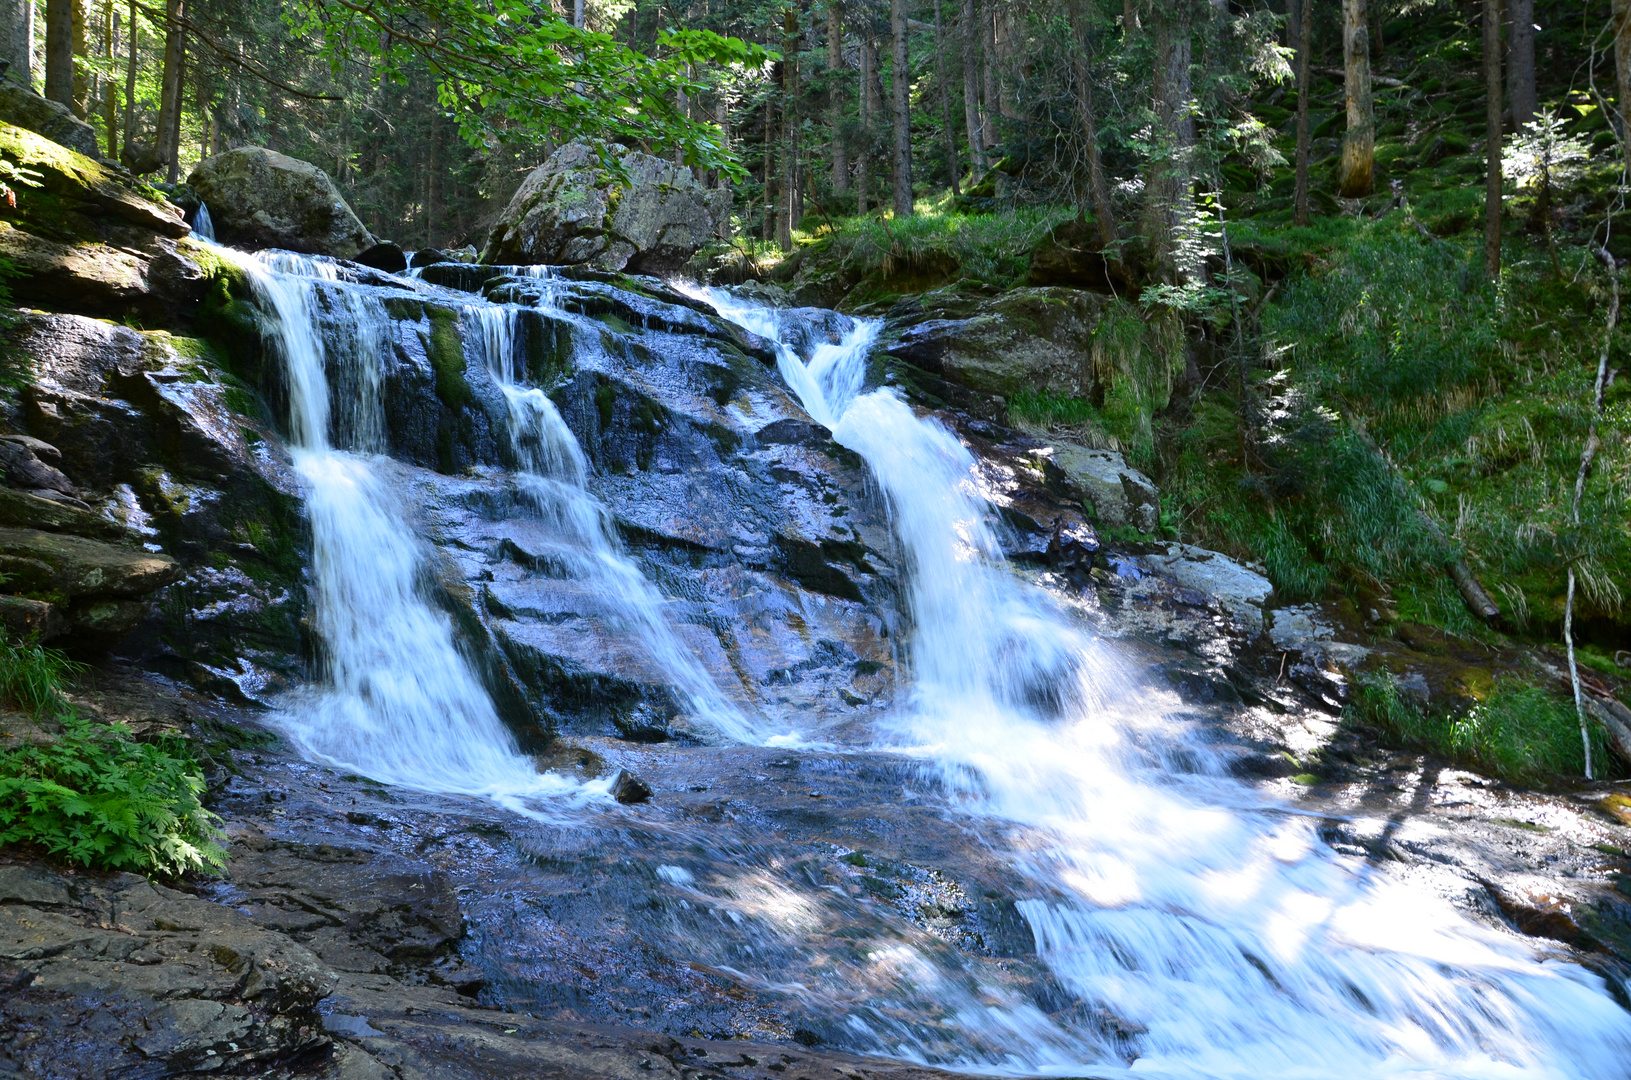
[(582, 545), (203, 227), (1206, 933), (399, 703)]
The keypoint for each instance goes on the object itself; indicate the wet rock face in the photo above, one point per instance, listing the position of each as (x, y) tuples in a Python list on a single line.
[(259, 198), (166, 453), (572, 211), (105, 974)]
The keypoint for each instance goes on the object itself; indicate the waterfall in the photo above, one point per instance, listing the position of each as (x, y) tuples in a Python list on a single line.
[(1205, 932), (397, 701), (583, 544), (203, 227)]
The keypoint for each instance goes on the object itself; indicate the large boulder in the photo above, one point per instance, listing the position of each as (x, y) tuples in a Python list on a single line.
[(573, 210), (1027, 339), (259, 198), (24, 108)]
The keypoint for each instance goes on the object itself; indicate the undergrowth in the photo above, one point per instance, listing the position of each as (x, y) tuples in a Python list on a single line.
[(992, 248), (1519, 732), (91, 794)]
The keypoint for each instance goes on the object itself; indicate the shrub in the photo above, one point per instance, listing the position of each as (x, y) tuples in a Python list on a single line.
[(94, 795), (1519, 732)]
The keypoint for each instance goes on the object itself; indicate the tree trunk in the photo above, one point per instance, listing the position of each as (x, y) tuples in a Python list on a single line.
[(82, 77), (953, 170), (723, 116), (133, 43), (1520, 63), (59, 51), (1104, 213), (1169, 196), (863, 158), (1492, 137), (170, 85), (173, 140), (110, 93), (787, 216), (17, 44), (1622, 71), (835, 65), (988, 71), (971, 88), (1359, 144), (901, 85), (1305, 48), (770, 169)]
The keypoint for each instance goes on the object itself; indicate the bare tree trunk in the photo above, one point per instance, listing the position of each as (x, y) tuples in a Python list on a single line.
[(577, 14), (988, 71), (901, 86), (863, 158), (1359, 144), (1622, 70), (59, 51), (17, 40), (723, 117), (1305, 48), (953, 170), (1169, 195), (1104, 211), (82, 77), (1587, 455), (1492, 137), (133, 42), (170, 86), (770, 169), (1520, 63), (787, 219), (971, 88), (835, 64), (110, 94), (173, 139)]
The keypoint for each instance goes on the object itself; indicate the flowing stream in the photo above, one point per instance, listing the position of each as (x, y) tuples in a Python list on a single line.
[(1222, 937), (398, 701), (1204, 931)]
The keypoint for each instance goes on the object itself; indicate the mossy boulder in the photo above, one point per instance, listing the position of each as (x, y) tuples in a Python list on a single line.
[(23, 107), (259, 198), (1029, 339), (646, 215)]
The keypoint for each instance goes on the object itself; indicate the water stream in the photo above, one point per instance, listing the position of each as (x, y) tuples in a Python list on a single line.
[(397, 702), (1208, 937), (1204, 931)]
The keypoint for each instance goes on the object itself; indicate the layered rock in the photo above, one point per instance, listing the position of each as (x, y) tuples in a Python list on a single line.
[(646, 216), (169, 454), (259, 198), (88, 241)]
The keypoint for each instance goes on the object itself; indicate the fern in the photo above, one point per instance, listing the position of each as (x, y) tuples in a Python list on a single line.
[(94, 795)]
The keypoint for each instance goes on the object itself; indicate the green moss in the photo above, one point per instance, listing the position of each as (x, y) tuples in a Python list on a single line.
[(605, 400), (446, 351)]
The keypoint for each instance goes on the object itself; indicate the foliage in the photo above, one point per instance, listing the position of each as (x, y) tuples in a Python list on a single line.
[(93, 795), (992, 248), (1519, 732), (518, 70)]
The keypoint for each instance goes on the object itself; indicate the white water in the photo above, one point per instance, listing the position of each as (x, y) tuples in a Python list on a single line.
[(583, 546), (1223, 938), (203, 227), (398, 702)]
